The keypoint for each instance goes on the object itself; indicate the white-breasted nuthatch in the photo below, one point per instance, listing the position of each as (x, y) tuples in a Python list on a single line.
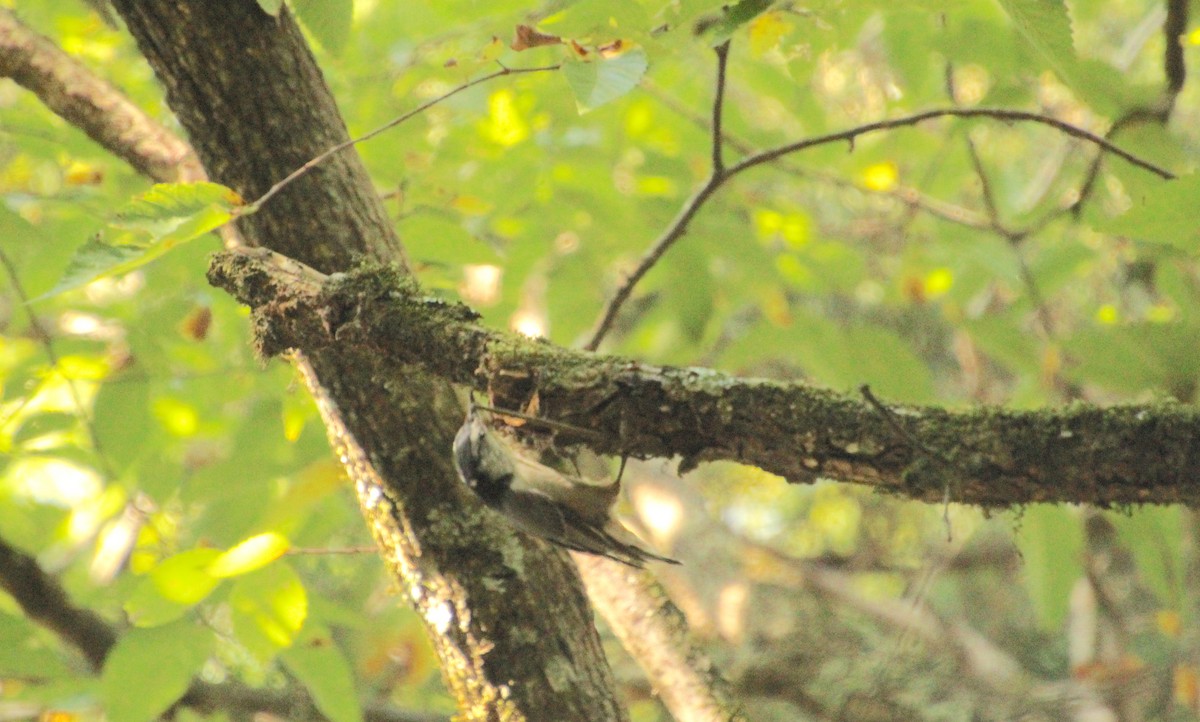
[(541, 501)]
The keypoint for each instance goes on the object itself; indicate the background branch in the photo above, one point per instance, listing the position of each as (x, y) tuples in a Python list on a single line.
[(92, 104)]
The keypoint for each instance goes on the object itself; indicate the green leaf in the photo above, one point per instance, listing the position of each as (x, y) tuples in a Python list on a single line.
[(149, 669), (1136, 357), (1165, 213), (719, 30), (253, 553), (122, 422), (160, 219), (269, 608), (604, 80), (172, 587), (320, 665), (38, 425), (184, 577), (271, 7), (1050, 538), (1046, 26), (328, 20), (24, 654), (147, 607), (1154, 535)]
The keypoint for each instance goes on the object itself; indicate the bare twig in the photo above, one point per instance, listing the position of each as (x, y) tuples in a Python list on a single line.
[(908, 196), (985, 190), (318, 160), (676, 229), (1175, 71), (331, 551), (1013, 237), (718, 158), (1003, 114), (673, 232)]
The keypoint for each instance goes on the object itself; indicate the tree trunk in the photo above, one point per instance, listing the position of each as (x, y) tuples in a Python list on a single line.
[(508, 616)]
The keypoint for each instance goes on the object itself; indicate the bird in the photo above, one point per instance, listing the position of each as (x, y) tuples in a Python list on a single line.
[(560, 508)]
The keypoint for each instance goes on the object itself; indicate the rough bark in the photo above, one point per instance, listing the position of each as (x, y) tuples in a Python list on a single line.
[(508, 616), (1148, 453)]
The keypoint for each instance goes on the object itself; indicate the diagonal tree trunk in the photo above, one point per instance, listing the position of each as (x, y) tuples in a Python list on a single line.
[(508, 617)]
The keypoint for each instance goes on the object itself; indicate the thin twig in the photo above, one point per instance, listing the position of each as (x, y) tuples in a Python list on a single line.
[(889, 417), (548, 423), (718, 159), (1175, 71), (1174, 66), (43, 336), (850, 135), (910, 197), (675, 230), (985, 189), (304, 169), (1013, 237), (333, 551)]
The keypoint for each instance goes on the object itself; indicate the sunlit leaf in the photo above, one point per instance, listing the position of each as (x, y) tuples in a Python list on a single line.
[(269, 607), (606, 79), (160, 219), (254, 553), (184, 578)]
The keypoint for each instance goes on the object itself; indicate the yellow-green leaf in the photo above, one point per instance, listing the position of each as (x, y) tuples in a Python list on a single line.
[(253, 553)]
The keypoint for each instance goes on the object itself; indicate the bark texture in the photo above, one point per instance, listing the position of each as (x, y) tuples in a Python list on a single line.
[(507, 615), (1147, 453)]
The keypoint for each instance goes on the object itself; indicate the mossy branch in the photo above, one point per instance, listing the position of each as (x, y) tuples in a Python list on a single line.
[(986, 456)]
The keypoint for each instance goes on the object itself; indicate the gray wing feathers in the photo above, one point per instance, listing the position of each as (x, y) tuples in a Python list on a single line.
[(539, 515)]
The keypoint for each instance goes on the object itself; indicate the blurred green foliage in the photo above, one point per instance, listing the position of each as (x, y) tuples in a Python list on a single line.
[(151, 441)]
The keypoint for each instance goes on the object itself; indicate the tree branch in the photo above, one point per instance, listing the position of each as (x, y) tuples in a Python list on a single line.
[(93, 105), (44, 601), (992, 457), (250, 94), (656, 635), (673, 232)]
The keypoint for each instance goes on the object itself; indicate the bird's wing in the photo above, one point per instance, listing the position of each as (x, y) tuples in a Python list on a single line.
[(541, 516), (590, 501)]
